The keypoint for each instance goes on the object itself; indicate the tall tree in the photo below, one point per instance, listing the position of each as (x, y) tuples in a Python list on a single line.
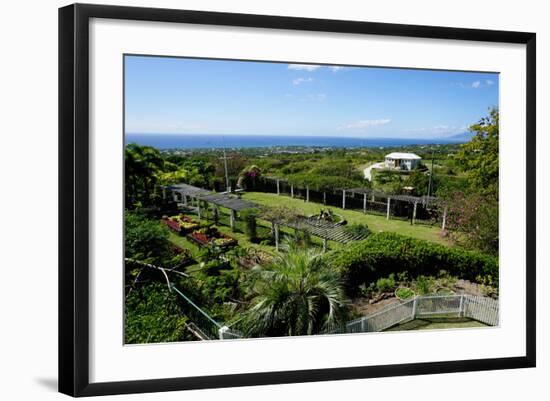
[(473, 214), (480, 157)]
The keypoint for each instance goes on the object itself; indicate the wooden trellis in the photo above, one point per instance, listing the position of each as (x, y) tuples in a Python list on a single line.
[(326, 230)]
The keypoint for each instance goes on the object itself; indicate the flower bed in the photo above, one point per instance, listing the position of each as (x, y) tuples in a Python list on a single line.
[(200, 238), (224, 241), (212, 236), (181, 224)]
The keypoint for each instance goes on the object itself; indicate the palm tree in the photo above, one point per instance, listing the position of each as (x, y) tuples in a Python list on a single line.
[(297, 294), (142, 166)]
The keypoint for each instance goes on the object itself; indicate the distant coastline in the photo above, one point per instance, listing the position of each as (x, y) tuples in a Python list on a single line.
[(212, 141)]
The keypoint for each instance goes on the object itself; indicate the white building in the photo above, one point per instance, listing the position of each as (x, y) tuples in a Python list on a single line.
[(402, 161)]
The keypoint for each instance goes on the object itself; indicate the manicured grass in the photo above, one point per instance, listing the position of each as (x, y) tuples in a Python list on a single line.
[(437, 324), (375, 223), (184, 243)]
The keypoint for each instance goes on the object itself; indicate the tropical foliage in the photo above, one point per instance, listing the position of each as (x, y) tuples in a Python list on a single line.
[(297, 290), (474, 212), (473, 221), (141, 169), (480, 157), (145, 239), (152, 315), (296, 294)]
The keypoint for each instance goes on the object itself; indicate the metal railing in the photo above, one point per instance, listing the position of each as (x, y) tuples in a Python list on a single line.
[(225, 333), (482, 309)]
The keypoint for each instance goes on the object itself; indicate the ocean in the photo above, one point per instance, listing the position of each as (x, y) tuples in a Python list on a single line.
[(210, 141)]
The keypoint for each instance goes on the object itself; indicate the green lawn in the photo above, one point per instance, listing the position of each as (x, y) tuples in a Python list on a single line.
[(184, 243), (374, 222), (437, 323)]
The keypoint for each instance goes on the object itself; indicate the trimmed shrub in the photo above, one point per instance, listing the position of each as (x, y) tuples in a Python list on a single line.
[(251, 226), (358, 229), (384, 253)]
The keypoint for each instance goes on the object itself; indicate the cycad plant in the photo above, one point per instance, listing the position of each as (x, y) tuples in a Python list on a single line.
[(296, 294)]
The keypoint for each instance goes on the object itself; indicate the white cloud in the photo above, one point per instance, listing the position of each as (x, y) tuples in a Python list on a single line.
[(298, 81), (313, 67), (303, 67), (475, 84), (364, 124)]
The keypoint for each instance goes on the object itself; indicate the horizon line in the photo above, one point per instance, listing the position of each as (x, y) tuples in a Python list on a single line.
[(296, 135)]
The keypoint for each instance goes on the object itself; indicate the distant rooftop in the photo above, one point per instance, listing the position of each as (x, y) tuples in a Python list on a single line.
[(399, 155)]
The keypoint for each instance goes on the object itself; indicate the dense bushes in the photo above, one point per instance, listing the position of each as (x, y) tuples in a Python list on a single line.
[(383, 253), (153, 315), (145, 239)]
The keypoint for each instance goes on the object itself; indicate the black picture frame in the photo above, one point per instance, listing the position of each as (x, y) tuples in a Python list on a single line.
[(74, 198)]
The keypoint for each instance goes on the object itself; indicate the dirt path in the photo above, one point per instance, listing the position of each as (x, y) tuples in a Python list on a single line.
[(367, 171)]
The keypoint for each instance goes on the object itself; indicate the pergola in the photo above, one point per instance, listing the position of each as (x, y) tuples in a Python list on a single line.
[(415, 200), (233, 203), (278, 181), (367, 192), (326, 230), (185, 191)]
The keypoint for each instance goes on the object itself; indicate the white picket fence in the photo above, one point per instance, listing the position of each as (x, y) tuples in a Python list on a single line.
[(481, 308), (478, 308)]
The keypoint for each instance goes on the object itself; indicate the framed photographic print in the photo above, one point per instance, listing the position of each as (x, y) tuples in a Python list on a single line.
[(250, 199)]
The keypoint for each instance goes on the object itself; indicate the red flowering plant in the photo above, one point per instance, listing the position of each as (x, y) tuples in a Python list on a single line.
[(249, 176)]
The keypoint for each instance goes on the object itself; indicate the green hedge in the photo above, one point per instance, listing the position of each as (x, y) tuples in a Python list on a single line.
[(384, 253)]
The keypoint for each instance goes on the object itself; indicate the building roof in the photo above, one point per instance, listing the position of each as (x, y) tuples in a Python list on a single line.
[(399, 155)]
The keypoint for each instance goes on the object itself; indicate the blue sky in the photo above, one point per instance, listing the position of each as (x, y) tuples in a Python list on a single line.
[(179, 95)]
